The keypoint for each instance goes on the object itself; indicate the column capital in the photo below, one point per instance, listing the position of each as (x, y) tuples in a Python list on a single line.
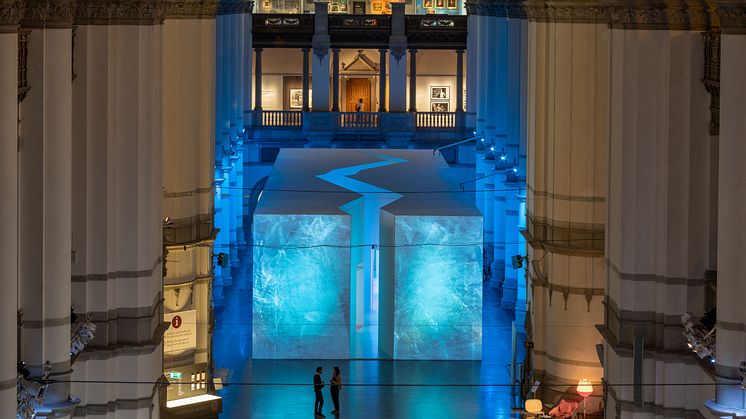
[(11, 12), (727, 15), (49, 14)]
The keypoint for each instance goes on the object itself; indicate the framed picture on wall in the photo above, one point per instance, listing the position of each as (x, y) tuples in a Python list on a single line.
[(439, 106), (440, 92), (296, 98), (427, 4), (440, 3), (377, 7), (451, 4)]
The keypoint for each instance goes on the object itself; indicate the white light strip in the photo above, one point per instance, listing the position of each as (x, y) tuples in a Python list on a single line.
[(191, 400)]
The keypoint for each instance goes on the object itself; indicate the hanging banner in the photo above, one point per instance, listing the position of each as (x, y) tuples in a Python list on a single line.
[(182, 334)]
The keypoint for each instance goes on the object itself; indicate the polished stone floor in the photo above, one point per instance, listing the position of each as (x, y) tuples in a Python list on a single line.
[(372, 388)]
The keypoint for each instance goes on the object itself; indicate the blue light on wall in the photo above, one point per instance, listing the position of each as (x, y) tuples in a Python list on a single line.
[(301, 300)]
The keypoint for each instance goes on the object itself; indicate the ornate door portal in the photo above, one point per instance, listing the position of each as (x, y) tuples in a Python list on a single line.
[(357, 88)]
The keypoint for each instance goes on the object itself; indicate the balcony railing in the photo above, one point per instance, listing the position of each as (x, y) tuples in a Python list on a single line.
[(358, 120), (436, 119), (282, 118), (358, 31)]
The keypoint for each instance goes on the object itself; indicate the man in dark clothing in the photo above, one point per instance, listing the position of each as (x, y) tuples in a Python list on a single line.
[(318, 384)]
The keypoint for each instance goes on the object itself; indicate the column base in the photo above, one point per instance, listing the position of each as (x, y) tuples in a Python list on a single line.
[(719, 410)]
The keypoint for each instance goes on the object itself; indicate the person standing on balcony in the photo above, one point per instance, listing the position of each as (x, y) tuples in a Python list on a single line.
[(359, 106)]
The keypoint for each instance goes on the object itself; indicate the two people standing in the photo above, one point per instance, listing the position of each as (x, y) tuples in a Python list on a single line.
[(318, 385)]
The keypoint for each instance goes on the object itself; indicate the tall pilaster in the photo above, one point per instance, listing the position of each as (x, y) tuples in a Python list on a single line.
[(656, 228), (731, 287), (116, 217), (321, 57), (8, 204), (472, 70), (397, 60), (188, 145), (568, 94), (45, 196)]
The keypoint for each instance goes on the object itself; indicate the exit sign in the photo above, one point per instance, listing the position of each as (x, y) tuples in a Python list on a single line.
[(174, 375)]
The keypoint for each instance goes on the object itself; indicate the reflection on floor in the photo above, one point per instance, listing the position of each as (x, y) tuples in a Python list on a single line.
[(371, 388)]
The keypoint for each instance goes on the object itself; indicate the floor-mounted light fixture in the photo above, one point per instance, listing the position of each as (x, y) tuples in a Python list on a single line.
[(585, 389)]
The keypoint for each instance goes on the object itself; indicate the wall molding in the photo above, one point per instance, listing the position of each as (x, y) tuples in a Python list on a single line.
[(11, 12), (65, 13), (729, 16)]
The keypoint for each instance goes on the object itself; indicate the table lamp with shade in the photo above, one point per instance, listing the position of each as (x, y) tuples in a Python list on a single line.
[(585, 389), (534, 406)]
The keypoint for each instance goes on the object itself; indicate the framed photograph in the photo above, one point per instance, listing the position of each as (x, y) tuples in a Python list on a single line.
[(334, 8), (427, 4), (451, 4), (296, 98), (440, 92), (439, 106), (377, 7), (440, 3)]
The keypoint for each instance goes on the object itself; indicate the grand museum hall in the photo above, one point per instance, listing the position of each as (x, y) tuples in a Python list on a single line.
[(454, 208)]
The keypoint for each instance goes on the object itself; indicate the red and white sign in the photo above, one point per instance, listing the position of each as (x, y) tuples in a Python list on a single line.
[(182, 334)]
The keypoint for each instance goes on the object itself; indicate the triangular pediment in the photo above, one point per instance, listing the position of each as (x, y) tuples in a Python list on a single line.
[(361, 63)]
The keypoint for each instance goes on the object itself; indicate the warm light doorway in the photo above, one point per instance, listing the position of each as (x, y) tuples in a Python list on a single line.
[(357, 88)]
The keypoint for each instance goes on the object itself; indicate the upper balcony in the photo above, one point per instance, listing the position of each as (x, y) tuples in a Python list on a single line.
[(274, 30), (363, 7)]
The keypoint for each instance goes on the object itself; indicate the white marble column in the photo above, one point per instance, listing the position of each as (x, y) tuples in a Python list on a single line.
[(731, 287), (44, 220), (655, 235), (8, 218), (116, 217), (189, 55), (566, 190)]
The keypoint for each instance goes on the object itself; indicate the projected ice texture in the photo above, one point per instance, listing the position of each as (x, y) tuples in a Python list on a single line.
[(438, 289), (301, 300)]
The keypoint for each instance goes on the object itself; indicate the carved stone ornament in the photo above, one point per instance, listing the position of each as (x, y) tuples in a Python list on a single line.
[(186, 9), (728, 15), (132, 12), (11, 12), (49, 14)]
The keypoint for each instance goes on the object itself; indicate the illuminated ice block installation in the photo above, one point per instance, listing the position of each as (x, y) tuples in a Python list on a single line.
[(437, 287), (366, 254), (301, 286)]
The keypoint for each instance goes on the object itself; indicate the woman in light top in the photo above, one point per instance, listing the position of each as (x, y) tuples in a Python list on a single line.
[(336, 385)]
